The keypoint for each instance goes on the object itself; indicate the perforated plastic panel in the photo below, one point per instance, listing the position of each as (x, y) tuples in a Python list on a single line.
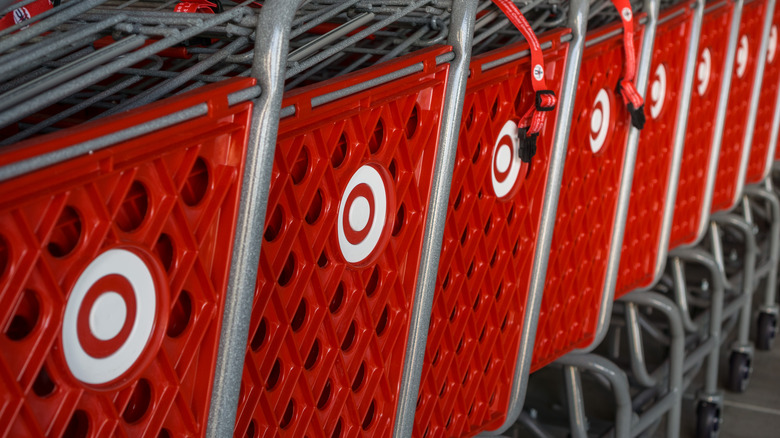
[(748, 44), (588, 200), (113, 271), (766, 107), (341, 250), (644, 222), (489, 244), (689, 206)]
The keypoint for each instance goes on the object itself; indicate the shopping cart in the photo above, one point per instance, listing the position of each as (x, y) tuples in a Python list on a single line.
[(116, 242), (588, 224), (151, 195), (696, 182), (337, 309), (475, 370), (762, 151), (661, 143)]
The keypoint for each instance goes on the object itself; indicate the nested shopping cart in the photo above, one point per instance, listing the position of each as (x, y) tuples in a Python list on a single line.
[(762, 152), (588, 225), (119, 226), (696, 181), (484, 311), (745, 86), (115, 239), (660, 148), (352, 190)]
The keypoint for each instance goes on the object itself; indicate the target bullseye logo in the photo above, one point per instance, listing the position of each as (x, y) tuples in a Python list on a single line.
[(658, 91), (506, 163), (742, 56), (363, 224), (112, 312), (21, 14), (704, 70), (771, 48), (599, 121), (626, 13)]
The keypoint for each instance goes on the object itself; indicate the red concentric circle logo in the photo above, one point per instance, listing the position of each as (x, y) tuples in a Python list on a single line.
[(113, 310), (364, 219), (506, 165)]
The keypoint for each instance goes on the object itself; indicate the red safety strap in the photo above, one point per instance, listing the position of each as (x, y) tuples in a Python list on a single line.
[(533, 120), (201, 6), (631, 96)]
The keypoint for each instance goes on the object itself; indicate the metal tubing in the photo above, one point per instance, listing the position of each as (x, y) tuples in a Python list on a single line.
[(720, 121), (748, 282), (770, 295), (626, 180), (41, 101), (325, 39), (678, 274), (152, 94), (577, 422), (578, 13), (617, 379), (270, 55), (672, 401), (461, 32), (703, 258), (67, 72), (634, 334), (40, 161), (31, 57)]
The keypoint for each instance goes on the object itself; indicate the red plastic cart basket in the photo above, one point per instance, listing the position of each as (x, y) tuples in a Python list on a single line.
[(700, 158), (329, 327), (576, 269), (113, 267), (643, 255), (763, 145), (732, 164), (488, 250)]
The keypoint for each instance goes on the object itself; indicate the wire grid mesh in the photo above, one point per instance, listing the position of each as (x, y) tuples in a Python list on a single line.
[(85, 60)]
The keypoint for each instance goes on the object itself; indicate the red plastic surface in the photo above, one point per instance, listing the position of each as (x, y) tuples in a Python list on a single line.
[(644, 222), (487, 254), (586, 207), (724, 196), (327, 338), (170, 198), (24, 13), (759, 150), (689, 206)]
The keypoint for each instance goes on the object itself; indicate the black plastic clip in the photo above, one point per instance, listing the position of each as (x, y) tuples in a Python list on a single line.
[(637, 115), (527, 147), (539, 106)]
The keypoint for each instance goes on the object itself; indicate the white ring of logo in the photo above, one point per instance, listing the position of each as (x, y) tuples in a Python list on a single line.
[(505, 160), (658, 91), (360, 215), (703, 71), (599, 121), (21, 14), (626, 12), (742, 56), (772, 44), (96, 371)]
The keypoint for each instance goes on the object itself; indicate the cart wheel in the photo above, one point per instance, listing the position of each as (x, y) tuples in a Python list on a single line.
[(707, 420), (739, 371), (767, 329)]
